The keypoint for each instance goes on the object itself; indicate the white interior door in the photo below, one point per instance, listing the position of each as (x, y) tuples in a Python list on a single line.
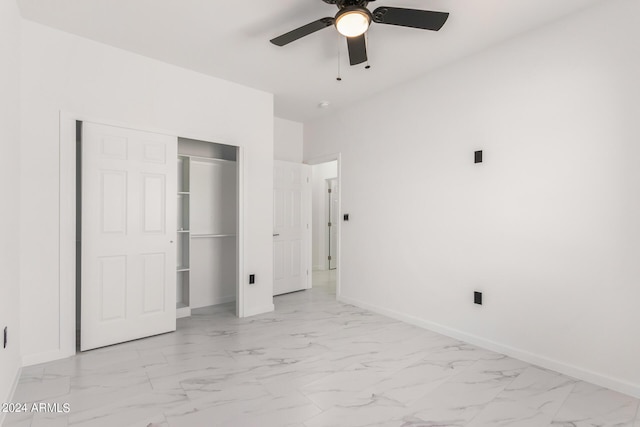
[(129, 210), (291, 226), (333, 222)]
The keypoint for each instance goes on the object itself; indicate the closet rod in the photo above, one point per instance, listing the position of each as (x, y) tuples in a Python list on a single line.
[(212, 235)]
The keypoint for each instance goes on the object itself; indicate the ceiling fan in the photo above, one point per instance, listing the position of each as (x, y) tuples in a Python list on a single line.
[(353, 20)]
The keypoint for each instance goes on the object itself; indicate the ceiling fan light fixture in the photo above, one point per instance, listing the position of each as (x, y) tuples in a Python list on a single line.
[(353, 21)]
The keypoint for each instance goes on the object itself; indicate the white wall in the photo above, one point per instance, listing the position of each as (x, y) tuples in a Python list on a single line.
[(320, 173), (287, 143), (10, 190), (65, 72), (547, 227)]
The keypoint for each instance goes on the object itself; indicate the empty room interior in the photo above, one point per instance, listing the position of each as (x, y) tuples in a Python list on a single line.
[(320, 213)]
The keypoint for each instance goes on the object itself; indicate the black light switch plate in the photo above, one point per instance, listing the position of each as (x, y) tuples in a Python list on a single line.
[(477, 157), (252, 279), (477, 298), (345, 217)]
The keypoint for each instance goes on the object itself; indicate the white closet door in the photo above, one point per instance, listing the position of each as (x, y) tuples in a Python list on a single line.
[(128, 235), (291, 219)]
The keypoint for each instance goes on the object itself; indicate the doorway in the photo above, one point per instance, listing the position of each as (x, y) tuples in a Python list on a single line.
[(326, 224)]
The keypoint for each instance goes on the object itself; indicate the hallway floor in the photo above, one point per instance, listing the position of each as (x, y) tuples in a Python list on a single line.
[(314, 362)]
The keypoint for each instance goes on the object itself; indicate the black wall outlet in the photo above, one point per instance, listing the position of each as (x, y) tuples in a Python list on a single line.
[(5, 337), (477, 157), (252, 279), (477, 298), (345, 217)]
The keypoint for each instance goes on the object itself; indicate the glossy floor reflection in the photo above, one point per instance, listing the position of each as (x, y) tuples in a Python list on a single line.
[(313, 362)]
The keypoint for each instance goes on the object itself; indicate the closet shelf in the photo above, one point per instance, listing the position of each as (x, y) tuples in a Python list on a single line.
[(199, 236), (184, 193), (183, 231), (182, 268)]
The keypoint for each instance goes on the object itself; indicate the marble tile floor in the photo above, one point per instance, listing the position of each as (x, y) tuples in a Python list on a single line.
[(314, 362)]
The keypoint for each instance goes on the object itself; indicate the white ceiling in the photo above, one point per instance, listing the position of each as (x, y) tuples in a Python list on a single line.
[(230, 40)]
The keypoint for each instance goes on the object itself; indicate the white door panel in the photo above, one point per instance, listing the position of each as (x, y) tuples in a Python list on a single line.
[(128, 238), (291, 219)]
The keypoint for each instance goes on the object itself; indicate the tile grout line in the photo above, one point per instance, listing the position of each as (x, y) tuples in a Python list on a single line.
[(564, 401), (499, 393)]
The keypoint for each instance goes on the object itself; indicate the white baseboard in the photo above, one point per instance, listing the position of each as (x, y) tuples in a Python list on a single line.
[(183, 312), (12, 393), (224, 300), (50, 356), (259, 310), (535, 359), (216, 301)]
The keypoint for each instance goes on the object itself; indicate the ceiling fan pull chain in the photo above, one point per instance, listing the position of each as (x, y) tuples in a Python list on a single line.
[(339, 78), (366, 36)]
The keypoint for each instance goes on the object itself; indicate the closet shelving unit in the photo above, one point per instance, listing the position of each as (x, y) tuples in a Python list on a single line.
[(184, 239)]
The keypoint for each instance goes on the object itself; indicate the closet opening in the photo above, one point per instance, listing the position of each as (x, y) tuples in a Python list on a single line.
[(207, 226)]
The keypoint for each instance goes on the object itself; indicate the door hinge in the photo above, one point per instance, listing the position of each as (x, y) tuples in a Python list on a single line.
[(329, 257), (329, 224), (329, 190)]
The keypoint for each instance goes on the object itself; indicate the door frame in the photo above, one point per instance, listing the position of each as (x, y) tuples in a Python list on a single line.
[(67, 224), (325, 159)]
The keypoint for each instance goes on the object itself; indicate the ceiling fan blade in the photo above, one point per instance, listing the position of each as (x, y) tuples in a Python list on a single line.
[(305, 30), (357, 49), (423, 19)]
